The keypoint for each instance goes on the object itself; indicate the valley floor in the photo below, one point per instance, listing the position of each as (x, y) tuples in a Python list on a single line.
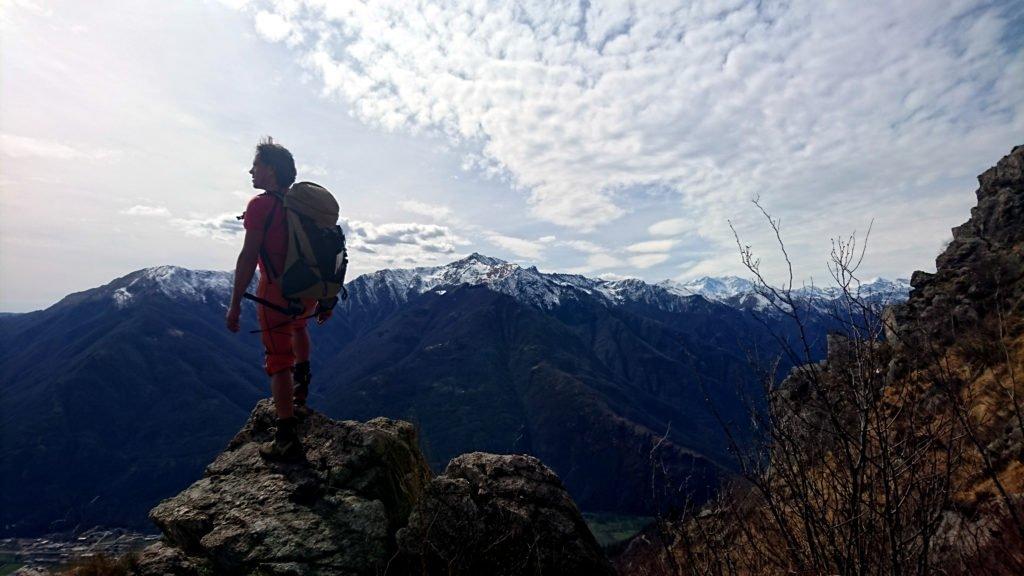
[(54, 550)]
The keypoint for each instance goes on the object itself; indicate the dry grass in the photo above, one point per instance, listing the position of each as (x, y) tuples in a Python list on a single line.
[(103, 565)]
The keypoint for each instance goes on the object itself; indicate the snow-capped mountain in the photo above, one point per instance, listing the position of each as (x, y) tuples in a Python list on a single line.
[(720, 289), (548, 290), (403, 345), (527, 285), (174, 282), (727, 288)]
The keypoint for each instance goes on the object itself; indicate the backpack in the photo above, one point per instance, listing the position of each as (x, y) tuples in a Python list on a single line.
[(317, 259)]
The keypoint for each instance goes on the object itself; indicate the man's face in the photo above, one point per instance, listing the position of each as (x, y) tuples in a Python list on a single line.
[(262, 176)]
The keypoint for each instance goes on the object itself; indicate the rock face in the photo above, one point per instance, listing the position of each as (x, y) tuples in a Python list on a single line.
[(982, 267), (362, 502), (335, 512), (499, 515)]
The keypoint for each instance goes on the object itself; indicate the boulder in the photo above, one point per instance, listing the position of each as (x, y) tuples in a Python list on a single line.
[(361, 502), (499, 515), (335, 511)]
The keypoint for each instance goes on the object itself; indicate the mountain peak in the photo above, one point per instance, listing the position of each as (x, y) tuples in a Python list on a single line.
[(711, 288), (173, 282), (477, 257)]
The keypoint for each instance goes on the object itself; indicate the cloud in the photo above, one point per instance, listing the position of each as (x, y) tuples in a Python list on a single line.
[(28, 6), (670, 227), (585, 246), (373, 246), (529, 249), (141, 210), (225, 227), (429, 238), (424, 209), (651, 246), (613, 276), (235, 4), (647, 260), (597, 262), (27, 147), (305, 170), (272, 26), (585, 105)]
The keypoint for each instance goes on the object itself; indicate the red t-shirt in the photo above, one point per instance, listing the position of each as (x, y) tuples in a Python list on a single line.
[(275, 241)]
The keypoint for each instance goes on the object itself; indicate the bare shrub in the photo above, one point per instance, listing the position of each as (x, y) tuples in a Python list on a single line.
[(892, 457)]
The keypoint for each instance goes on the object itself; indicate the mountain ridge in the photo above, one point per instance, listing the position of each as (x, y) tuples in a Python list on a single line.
[(528, 284), (483, 354)]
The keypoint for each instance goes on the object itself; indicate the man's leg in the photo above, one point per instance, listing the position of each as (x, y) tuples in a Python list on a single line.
[(278, 362), (281, 387), (279, 357), (285, 445), (300, 343), (301, 373)]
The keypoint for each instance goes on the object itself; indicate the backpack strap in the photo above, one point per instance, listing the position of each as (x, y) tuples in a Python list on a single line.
[(263, 249), (292, 310)]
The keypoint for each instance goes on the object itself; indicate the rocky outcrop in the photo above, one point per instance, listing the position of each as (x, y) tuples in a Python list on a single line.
[(165, 560), (333, 512), (981, 270), (499, 515), (362, 502)]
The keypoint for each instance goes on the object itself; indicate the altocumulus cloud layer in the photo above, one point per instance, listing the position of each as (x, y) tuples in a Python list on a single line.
[(580, 104), (605, 138)]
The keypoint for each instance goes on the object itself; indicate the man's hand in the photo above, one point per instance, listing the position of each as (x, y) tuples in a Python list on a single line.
[(231, 319), (323, 315), (324, 308)]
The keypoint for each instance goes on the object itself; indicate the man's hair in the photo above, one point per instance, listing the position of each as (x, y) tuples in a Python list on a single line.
[(279, 159)]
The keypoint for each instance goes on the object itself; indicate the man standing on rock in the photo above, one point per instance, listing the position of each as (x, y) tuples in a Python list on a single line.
[(285, 339)]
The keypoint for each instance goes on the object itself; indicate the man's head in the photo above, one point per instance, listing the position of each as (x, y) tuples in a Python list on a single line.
[(273, 168)]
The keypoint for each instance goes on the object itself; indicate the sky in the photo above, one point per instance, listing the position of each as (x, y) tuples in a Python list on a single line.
[(611, 139)]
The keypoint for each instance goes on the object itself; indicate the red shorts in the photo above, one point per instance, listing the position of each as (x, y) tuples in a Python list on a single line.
[(277, 328)]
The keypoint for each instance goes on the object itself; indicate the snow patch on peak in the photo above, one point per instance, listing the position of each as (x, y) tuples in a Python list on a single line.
[(720, 288), (527, 284), (174, 282), (731, 289), (122, 297), (478, 258), (548, 290)]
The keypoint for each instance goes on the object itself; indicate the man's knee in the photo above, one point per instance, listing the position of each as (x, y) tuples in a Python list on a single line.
[(277, 363)]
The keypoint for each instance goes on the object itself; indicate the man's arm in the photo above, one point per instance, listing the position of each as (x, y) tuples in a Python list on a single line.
[(244, 270)]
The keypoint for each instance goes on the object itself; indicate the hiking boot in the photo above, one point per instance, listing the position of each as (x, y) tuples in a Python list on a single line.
[(285, 445), (301, 377)]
